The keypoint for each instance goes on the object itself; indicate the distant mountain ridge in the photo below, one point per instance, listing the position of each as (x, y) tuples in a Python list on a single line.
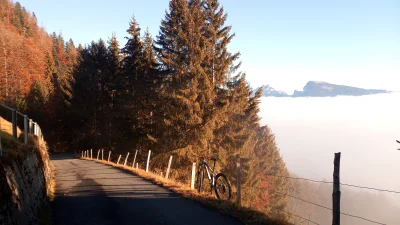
[(270, 91), (322, 89)]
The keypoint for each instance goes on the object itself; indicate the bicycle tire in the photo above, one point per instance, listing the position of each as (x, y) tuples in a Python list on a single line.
[(222, 191), (200, 179)]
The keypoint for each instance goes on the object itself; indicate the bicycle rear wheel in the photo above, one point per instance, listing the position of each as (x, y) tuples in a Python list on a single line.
[(200, 179), (222, 187)]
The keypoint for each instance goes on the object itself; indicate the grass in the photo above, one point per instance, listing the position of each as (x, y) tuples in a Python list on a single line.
[(6, 129), (246, 215), (8, 143)]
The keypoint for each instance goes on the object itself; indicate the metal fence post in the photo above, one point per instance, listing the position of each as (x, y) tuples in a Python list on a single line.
[(30, 126), (34, 128), (14, 124), (26, 129)]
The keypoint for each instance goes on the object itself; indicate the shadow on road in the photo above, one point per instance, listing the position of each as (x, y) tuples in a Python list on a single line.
[(90, 193)]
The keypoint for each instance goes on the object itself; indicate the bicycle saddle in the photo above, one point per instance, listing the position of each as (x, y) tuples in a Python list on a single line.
[(214, 158)]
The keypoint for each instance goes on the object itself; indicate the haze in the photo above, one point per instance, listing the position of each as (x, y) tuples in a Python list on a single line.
[(364, 129)]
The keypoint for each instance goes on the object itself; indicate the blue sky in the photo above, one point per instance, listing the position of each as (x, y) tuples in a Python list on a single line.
[(284, 43)]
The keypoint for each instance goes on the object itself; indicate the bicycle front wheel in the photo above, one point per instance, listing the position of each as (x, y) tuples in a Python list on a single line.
[(222, 187)]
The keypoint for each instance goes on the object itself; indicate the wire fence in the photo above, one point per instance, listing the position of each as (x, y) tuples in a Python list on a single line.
[(16, 126), (322, 206), (140, 162)]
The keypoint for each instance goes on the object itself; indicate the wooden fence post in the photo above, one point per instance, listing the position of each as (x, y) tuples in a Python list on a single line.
[(102, 154), (98, 154), (109, 154), (148, 161), (193, 175), (126, 159), (82, 154), (119, 158), (169, 167), (238, 188), (91, 153), (336, 190), (134, 159), (137, 166)]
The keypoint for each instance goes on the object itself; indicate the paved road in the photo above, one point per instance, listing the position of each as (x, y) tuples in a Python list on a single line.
[(92, 193)]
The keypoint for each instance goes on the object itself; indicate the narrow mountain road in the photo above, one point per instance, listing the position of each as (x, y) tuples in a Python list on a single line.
[(92, 193)]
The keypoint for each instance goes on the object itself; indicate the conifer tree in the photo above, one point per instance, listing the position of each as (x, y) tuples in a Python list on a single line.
[(131, 72), (180, 48), (148, 97), (113, 71)]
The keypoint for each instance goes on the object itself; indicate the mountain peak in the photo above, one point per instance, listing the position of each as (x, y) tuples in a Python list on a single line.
[(322, 89)]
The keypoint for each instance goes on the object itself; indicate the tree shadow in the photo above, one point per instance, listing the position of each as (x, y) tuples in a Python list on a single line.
[(117, 202)]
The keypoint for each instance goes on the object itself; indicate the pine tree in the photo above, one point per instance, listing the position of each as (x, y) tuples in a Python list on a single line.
[(180, 48), (113, 71), (132, 68), (148, 97), (219, 60), (90, 102), (18, 17), (272, 172)]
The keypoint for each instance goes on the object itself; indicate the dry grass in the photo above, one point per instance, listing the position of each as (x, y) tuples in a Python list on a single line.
[(8, 143), (246, 215), (6, 128)]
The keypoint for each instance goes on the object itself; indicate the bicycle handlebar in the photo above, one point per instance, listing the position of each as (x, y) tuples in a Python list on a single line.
[(204, 157)]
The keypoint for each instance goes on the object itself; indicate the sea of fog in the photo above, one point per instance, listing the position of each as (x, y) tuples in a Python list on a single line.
[(364, 129)]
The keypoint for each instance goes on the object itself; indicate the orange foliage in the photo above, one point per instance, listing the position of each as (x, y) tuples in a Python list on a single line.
[(264, 197), (22, 53)]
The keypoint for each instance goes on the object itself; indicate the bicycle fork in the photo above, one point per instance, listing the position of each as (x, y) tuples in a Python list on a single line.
[(211, 179)]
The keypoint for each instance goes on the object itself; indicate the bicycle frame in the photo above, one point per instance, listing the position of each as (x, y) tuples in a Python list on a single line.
[(210, 172)]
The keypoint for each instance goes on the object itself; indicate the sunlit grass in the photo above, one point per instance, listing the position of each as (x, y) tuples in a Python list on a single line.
[(6, 129)]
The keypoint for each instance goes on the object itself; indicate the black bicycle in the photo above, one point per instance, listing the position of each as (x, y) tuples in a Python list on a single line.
[(399, 143), (218, 182)]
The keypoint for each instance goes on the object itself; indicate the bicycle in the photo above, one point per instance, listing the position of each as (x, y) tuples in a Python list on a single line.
[(218, 182), (398, 143)]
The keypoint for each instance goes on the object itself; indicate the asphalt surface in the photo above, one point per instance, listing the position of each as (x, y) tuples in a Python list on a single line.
[(92, 193)]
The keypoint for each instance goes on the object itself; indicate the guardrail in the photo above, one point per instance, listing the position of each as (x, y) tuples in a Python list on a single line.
[(17, 120)]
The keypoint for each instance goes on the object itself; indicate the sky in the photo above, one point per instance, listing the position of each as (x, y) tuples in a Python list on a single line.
[(283, 43)]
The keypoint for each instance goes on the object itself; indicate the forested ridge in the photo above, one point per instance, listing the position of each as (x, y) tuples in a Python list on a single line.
[(180, 92)]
